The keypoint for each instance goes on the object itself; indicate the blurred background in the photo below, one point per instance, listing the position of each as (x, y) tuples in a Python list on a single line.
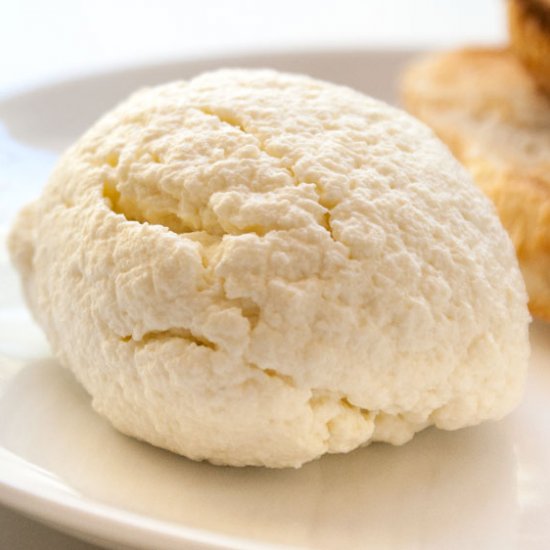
[(41, 42)]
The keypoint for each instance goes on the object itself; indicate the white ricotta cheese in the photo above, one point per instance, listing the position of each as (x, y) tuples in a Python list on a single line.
[(256, 268)]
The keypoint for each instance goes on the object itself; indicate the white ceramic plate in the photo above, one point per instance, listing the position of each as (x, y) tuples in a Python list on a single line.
[(486, 487)]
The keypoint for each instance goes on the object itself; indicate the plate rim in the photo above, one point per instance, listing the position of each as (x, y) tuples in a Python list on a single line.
[(110, 522), (228, 59)]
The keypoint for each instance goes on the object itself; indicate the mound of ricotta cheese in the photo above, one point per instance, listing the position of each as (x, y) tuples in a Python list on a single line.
[(256, 268)]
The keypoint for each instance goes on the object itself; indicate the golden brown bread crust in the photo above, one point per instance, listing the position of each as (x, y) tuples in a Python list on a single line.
[(484, 104), (529, 26)]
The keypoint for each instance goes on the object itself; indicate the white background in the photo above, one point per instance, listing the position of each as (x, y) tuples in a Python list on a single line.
[(41, 41), (51, 39)]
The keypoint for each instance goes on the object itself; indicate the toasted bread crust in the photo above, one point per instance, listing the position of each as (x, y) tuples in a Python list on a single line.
[(485, 106), (529, 26)]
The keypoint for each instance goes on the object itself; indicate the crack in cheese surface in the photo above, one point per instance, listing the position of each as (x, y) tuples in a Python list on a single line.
[(256, 268)]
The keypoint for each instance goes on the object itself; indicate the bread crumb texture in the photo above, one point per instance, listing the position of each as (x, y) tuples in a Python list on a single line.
[(257, 268)]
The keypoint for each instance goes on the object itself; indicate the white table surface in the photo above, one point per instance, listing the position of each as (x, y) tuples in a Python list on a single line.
[(59, 39)]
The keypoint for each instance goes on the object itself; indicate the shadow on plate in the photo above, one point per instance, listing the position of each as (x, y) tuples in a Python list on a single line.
[(442, 488)]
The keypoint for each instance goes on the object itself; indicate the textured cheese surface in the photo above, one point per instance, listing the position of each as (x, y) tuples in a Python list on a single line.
[(259, 268)]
